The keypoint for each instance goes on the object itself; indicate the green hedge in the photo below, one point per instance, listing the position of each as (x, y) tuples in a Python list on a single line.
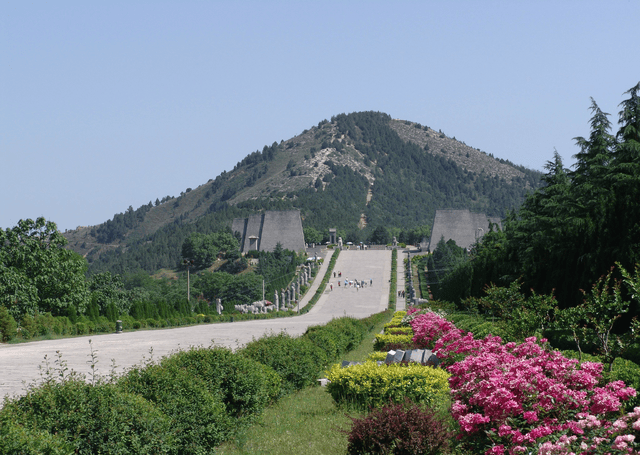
[(89, 419), (338, 336), (197, 415), (298, 361), (372, 385), (393, 287), (245, 386)]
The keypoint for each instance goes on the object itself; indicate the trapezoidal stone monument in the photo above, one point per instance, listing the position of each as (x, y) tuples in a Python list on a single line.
[(463, 226), (264, 231)]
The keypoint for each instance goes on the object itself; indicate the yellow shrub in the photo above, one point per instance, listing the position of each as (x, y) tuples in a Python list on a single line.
[(377, 355), (398, 331), (384, 339), (370, 384)]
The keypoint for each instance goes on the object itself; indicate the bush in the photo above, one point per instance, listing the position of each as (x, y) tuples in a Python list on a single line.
[(8, 326), (371, 385), (404, 428), (81, 328), (90, 419), (16, 439), (384, 340), (398, 331), (245, 386), (338, 336), (377, 356), (198, 418), (298, 361)]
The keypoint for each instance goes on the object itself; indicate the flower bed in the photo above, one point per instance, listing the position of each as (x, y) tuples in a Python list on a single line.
[(526, 398)]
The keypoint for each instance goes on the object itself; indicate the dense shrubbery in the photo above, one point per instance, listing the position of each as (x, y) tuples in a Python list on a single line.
[(88, 419), (338, 336), (245, 386), (197, 415), (298, 361), (186, 403)]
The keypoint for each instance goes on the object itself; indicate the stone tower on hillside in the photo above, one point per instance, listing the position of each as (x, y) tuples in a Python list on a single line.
[(264, 231)]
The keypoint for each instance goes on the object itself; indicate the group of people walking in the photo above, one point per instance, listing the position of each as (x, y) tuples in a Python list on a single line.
[(351, 283)]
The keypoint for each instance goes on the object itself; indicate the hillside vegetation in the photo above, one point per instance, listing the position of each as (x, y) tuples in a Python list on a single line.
[(357, 172)]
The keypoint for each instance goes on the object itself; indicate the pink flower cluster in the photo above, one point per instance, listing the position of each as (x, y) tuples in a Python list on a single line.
[(516, 397), (428, 327)]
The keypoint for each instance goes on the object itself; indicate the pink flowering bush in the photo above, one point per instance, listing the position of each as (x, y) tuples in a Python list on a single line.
[(429, 327), (524, 398)]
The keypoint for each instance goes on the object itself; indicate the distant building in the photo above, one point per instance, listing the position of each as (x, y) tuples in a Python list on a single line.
[(464, 227), (264, 231)]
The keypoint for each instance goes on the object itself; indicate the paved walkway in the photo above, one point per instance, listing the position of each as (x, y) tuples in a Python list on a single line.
[(19, 362)]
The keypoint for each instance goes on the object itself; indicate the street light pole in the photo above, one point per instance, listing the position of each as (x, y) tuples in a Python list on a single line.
[(188, 263)]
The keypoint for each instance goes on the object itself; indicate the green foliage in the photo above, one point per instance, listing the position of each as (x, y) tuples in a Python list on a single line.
[(384, 339), (338, 336), (628, 372), (398, 331), (393, 283), (90, 419), (197, 416), (106, 290), (37, 273), (602, 307), (580, 223), (277, 268), (8, 325), (245, 386), (519, 316), (298, 361), (232, 289), (312, 235), (204, 249), (441, 267), (372, 385), (20, 440)]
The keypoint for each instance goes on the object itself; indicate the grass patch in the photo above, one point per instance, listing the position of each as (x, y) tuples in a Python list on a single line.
[(305, 422)]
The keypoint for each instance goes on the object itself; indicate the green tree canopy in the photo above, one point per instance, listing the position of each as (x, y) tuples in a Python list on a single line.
[(204, 249), (37, 273)]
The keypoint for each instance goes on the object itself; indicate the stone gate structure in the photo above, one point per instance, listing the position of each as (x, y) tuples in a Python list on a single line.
[(463, 226), (264, 231)]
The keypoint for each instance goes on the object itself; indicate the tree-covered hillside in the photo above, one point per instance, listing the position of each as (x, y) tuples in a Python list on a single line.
[(358, 172)]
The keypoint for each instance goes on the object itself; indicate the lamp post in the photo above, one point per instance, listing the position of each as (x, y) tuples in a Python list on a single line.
[(188, 263)]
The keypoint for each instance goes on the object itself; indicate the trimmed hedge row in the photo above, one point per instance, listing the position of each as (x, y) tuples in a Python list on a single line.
[(383, 341), (393, 284), (372, 385), (301, 361)]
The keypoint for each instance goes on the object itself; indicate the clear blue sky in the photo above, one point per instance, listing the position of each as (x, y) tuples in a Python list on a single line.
[(107, 104)]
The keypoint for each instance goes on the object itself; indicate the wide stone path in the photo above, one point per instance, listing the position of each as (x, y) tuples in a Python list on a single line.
[(19, 362)]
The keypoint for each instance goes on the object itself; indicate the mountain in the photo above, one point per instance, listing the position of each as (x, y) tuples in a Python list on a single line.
[(357, 172)]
